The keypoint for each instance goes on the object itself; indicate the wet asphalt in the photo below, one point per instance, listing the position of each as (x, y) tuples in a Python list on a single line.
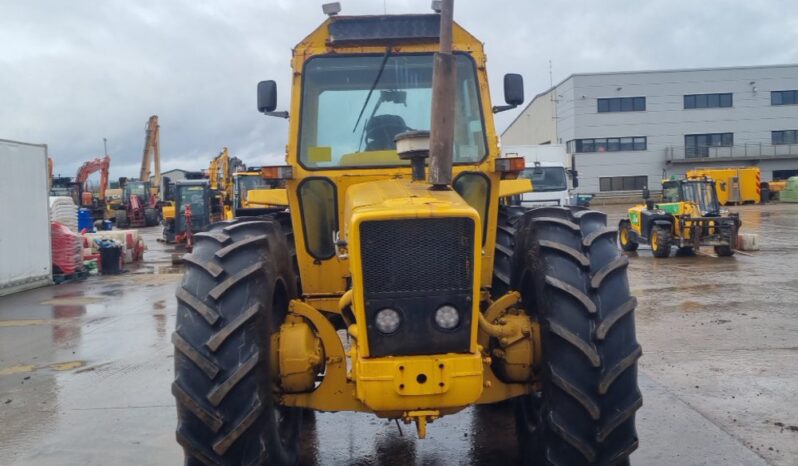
[(86, 367)]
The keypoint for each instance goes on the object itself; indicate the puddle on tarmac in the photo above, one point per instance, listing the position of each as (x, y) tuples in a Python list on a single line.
[(156, 269)]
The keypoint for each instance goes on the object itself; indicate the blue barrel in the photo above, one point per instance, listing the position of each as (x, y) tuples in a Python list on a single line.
[(85, 220)]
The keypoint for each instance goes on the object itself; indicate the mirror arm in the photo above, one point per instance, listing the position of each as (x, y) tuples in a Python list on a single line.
[(501, 108), (277, 114)]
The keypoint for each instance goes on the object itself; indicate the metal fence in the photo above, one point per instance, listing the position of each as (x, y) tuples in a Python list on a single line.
[(739, 151)]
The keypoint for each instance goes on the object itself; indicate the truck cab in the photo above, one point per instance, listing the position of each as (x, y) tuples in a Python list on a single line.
[(548, 167)]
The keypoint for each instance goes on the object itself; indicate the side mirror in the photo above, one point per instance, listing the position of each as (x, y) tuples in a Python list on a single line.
[(513, 92), (646, 193), (267, 96), (575, 178), (513, 89)]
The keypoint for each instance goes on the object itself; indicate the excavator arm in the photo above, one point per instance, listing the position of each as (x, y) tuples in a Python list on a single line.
[(99, 164), (152, 152)]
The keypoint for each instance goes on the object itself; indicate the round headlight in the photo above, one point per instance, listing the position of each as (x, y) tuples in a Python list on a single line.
[(447, 317), (387, 320)]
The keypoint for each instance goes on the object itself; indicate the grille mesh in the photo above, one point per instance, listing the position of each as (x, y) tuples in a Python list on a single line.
[(417, 256)]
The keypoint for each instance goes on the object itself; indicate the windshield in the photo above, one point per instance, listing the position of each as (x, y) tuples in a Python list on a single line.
[(703, 194), (670, 191), (194, 196), (135, 189), (546, 178), (335, 90)]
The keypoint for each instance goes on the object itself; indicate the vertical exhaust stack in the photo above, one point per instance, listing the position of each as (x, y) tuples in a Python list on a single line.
[(443, 95)]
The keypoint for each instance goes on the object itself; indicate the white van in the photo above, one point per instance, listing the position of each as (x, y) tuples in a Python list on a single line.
[(549, 168)]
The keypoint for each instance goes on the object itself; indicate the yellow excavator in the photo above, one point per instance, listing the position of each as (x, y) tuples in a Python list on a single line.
[(220, 176)]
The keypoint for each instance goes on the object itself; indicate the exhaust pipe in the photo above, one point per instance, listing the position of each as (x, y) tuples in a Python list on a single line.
[(443, 95)]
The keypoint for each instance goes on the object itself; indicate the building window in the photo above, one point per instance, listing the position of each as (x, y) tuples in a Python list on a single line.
[(623, 183), (789, 136), (784, 97), (622, 104), (707, 100), (607, 144), (697, 145)]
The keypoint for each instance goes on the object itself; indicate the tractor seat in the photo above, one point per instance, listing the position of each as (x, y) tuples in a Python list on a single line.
[(381, 130)]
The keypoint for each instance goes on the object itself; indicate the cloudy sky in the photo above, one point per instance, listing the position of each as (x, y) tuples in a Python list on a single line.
[(74, 72)]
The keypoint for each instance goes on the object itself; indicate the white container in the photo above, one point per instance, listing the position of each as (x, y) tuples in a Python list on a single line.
[(25, 248)]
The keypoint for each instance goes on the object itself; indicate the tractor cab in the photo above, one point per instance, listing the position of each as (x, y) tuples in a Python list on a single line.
[(195, 208), (700, 192), (141, 189), (193, 197), (245, 182)]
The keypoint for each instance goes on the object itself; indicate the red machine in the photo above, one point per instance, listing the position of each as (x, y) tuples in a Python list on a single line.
[(140, 198)]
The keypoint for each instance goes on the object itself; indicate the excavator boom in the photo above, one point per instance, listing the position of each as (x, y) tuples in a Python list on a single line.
[(152, 152), (99, 164)]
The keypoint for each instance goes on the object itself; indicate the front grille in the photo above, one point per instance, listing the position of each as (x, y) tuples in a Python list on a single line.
[(415, 266), (417, 256)]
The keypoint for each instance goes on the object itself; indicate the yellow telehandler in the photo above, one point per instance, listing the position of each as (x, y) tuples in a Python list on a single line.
[(396, 234)]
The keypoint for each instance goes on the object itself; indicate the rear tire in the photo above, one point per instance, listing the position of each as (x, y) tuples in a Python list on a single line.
[(150, 217), (660, 239), (724, 251), (625, 236), (235, 293), (573, 282)]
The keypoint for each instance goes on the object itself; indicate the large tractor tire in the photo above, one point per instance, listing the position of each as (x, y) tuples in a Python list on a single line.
[(121, 219), (724, 251), (234, 295), (660, 239), (625, 236), (150, 217), (573, 281)]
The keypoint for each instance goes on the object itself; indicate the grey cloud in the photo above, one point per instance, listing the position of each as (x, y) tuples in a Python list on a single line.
[(74, 72)]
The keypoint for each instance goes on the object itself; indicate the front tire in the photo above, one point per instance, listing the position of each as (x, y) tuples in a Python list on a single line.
[(660, 242), (573, 282), (234, 295), (625, 236), (121, 219), (724, 251)]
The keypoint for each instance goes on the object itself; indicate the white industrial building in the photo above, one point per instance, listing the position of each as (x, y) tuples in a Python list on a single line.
[(627, 130)]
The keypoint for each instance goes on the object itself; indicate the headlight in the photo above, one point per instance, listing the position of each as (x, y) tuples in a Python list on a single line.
[(387, 320), (447, 317)]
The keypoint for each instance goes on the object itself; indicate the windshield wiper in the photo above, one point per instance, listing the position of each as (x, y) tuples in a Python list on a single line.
[(373, 85)]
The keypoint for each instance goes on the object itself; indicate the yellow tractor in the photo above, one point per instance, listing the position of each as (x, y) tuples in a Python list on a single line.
[(688, 218), (396, 235)]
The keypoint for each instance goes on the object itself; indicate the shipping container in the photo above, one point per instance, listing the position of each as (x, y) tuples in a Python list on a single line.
[(734, 185), (25, 248)]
